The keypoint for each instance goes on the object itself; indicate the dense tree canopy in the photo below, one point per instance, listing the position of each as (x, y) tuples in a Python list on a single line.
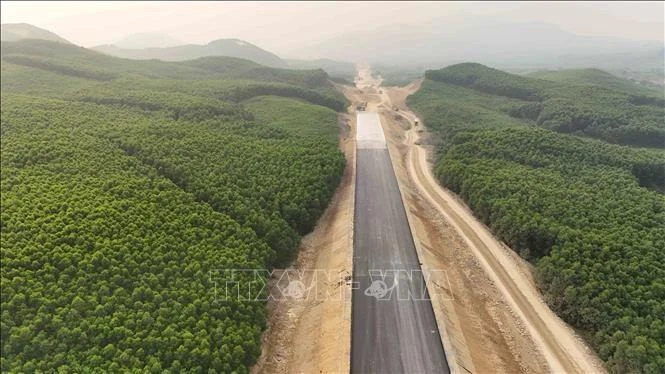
[(590, 110), (589, 214), (121, 198)]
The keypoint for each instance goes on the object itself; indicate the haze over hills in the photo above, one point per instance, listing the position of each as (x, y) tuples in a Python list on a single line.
[(152, 45), (221, 47), (509, 45), (147, 40), (516, 46), (337, 69), (12, 32)]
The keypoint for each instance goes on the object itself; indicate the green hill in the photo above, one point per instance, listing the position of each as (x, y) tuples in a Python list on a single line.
[(221, 47), (596, 77), (12, 32), (532, 160), (230, 67), (129, 188), (594, 111), (78, 62)]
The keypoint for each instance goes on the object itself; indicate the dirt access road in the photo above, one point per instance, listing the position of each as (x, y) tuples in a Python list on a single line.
[(505, 325)]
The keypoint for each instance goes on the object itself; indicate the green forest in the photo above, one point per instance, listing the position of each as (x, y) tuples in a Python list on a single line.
[(597, 77), (126, 184), (534, 160), (589, 110)]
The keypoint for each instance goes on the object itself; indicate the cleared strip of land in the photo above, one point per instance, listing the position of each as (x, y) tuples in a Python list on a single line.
[(393, 324)]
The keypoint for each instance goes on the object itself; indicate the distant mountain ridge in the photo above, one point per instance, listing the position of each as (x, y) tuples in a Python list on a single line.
[(489, 41), (12, 32), (147, 40), (221, 47), (337, 69)]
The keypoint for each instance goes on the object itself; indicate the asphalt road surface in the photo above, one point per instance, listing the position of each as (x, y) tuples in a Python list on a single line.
[(393, 325)]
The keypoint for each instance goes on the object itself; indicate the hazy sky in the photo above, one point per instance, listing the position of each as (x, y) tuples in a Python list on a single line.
[(283, 26)]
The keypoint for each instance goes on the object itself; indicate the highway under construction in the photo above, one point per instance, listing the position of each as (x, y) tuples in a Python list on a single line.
[(393, 324)]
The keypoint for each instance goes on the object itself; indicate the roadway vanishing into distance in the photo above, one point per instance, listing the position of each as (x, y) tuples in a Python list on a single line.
[(393, 326)]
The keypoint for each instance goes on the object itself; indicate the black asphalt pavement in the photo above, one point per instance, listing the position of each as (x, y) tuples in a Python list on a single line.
[(393, 325)]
